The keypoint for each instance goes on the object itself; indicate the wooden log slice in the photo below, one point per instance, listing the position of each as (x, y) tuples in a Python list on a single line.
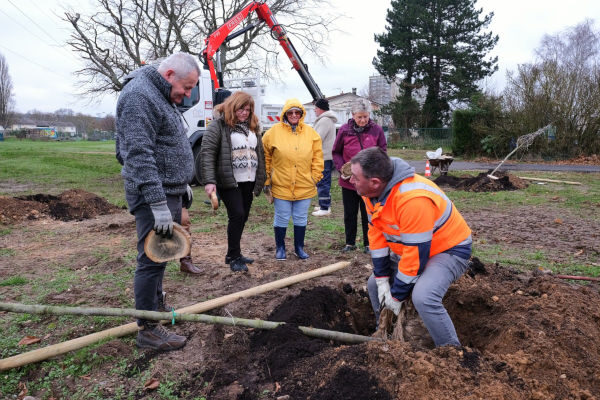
[(160, 249)]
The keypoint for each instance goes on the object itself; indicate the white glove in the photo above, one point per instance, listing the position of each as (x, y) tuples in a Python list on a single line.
[(393, 304), (383, 290), (188, 197), (163, 220)]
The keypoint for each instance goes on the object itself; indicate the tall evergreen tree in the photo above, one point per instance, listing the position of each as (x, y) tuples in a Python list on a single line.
[(438, 44)]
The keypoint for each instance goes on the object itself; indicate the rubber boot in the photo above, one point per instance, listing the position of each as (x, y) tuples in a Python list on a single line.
[(280, 243), (299, 232)]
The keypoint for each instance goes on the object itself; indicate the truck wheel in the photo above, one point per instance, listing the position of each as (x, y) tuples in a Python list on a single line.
[(197, 163)]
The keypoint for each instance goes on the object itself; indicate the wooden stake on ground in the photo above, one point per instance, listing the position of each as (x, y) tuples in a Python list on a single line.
[(74, 344), (549, 180), (161, 316)]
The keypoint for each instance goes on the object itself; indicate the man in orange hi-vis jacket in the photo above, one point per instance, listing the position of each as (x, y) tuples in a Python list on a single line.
[(419, 242)]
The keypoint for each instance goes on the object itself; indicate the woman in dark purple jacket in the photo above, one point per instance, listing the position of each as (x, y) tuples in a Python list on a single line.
[(359, 133)]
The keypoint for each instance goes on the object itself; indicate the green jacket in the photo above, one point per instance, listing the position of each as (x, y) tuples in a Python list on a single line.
[(217, 167)]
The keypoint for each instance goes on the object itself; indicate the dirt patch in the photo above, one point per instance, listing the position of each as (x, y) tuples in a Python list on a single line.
[(68, 206), (482, 182), (525, 335)]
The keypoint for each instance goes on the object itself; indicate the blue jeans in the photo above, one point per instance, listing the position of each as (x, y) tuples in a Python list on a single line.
[(442, 269), (147, 283), (324, 186), (284, 209)]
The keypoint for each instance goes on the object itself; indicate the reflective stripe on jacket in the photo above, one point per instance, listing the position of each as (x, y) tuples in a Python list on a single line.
[(414, 220)]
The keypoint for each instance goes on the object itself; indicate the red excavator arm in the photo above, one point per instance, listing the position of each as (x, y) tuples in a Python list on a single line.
[(216, 39)]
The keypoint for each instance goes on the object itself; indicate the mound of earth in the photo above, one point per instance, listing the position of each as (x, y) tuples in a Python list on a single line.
[(525, 336), (68, 206), (482, 182)]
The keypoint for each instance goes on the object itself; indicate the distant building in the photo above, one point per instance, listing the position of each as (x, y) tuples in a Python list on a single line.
[(382, 91), (342, 104), (43, 128)]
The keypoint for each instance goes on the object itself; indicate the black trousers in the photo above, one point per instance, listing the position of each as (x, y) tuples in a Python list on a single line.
[(238, 202), (148, 279), (352, 203)]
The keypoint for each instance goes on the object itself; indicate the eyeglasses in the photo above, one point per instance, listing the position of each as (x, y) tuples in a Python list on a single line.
[(294, 112)]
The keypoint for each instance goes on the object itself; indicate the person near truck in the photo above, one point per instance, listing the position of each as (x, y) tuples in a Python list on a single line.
[(360, 132), (420, 243), (233, 165), (294, 163), (325, 127), (157, 166)]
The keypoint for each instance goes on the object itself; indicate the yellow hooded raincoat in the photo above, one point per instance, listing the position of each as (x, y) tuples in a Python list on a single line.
[(293, 160)]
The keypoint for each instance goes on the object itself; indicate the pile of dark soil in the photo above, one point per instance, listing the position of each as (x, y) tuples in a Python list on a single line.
[(68, 206), (482, 182), (526, 336)]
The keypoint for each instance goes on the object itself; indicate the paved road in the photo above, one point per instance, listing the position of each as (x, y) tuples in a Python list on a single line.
[(510, 166)]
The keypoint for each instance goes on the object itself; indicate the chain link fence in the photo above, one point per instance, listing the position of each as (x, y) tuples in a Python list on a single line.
[(420, 138)]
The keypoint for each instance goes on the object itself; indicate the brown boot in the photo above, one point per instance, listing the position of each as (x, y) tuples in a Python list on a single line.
[(186, 265), (154, 336)]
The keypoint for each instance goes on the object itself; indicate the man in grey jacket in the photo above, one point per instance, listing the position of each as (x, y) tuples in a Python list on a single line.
[(325, 127), (157, 166)]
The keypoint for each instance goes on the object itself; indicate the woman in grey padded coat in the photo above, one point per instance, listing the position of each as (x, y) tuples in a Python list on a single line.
[(233, 164)]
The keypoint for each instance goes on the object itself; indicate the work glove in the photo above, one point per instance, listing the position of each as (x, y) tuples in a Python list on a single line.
[(383, 290), (268, 194), (394, 305), (163, 220), (187, 198)]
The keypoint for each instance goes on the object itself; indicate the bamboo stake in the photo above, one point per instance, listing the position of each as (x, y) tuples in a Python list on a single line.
[(158, 316), (550, 180), (74, 344)]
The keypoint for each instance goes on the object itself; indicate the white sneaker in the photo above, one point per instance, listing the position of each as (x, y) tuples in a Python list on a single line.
[(316, 208), (322, 213)]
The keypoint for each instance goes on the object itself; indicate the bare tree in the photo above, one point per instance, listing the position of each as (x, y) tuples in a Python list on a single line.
[(6, 94), (562, 87), (125, 34)]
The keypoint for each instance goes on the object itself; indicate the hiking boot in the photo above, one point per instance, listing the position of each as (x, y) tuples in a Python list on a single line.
[(162, 303), (238, 265), (186, 265), (246, 260), (366, 250), (154, 336), (348, 247), (322, 213)]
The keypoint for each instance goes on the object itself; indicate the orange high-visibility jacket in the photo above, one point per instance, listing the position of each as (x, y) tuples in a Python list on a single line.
[(412, 220)]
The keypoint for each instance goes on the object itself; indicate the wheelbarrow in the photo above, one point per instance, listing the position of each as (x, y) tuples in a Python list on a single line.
[(442, 163)]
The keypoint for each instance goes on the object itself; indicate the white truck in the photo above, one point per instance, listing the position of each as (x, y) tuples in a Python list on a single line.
[(198, 109)]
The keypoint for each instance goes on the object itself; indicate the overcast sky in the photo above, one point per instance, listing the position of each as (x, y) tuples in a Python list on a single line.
[(41, 66)]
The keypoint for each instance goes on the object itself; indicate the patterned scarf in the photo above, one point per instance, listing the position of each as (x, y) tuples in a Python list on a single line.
[(241, 127), (359, 129)]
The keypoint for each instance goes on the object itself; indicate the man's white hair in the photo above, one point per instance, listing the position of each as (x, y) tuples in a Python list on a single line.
[(182, 63)]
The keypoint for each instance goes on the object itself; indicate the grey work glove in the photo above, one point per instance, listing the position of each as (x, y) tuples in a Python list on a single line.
[(163, 220), (187, 198)]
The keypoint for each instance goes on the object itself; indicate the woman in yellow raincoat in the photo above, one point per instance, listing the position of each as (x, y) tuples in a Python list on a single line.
[(294, 164)]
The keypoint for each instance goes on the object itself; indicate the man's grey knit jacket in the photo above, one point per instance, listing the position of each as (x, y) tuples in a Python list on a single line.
[(151, 141)]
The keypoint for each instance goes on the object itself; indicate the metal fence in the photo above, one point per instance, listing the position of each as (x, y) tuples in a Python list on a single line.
[(421, 138)]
